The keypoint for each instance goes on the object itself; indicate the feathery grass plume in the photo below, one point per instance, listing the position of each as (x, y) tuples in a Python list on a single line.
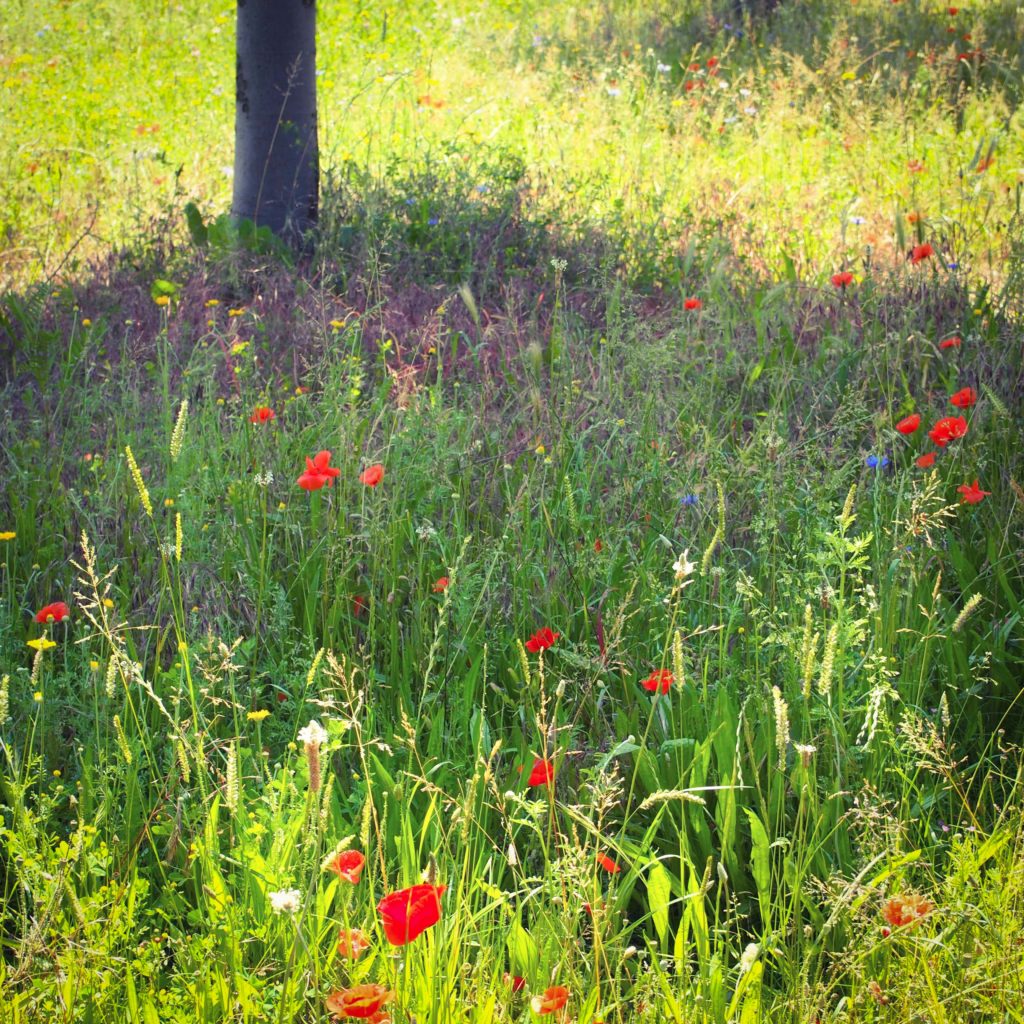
[(664, 795), (828, 660), (678, 664), (325, 804), (177, 536), (719, 534), (76, 907), (181, 752), (122, 740), (140, 484), (570, 505), (808, 652), (178, 434), (311, 674), (231, 789), (37, 665), (997, 402), (846, 517), (944, 715), (966, 612), (365, 822), (110, 680), (781, 726), (524, 662), (5, 698)]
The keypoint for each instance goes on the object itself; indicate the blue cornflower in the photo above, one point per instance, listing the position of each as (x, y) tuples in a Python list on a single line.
[(877, 462), (688, 499), (432, 221)]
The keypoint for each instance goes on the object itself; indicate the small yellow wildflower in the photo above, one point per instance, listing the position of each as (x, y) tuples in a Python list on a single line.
[(540, 449), (108, 603), (239, 347), (163, 300), (87, 322), (258, 716), (8, 535), (336, 324), (236, 312), (38, 696), (168, 503), (94, 665), (41, 643), (210, 303)]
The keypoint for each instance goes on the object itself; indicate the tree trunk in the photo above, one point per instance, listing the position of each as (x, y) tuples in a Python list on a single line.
[(277, 166)]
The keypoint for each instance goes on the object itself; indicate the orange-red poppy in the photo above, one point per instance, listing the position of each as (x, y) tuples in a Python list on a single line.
[(408, 913), (360, 1001), (348, 865)]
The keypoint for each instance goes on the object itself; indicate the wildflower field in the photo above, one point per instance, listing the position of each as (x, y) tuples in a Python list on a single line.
[(586, 586)]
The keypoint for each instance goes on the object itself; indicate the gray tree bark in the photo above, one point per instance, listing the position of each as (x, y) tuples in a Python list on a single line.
[(277, 166)]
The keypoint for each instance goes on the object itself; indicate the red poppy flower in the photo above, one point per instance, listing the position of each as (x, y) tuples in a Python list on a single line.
[(905, 910), (408, 913), (964, 398), (348, 865), (921, 252), (360, 1001), (598, 546), (842, 279), (909, 424), (712, 62), (608, 864), (541, 640), (262, 414), (352, 943), (440, 585), (695, 66), (53, 612), (552, 999), (954, 342), (925, 461), (359, 604), (515, 982), (952, 11), (972, 493), (372, 475), (542, 773), (692, 304), (318, 472), (658, 681), (949, 428)]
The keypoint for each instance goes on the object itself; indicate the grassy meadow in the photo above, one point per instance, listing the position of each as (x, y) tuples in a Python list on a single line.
[(586, 586)]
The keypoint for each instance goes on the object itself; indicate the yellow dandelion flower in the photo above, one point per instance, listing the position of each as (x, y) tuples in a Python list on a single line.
[(108, 603), (41, 644), (258, 716), (8, 535), (210, 303), (87, 322), (163, 300)]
